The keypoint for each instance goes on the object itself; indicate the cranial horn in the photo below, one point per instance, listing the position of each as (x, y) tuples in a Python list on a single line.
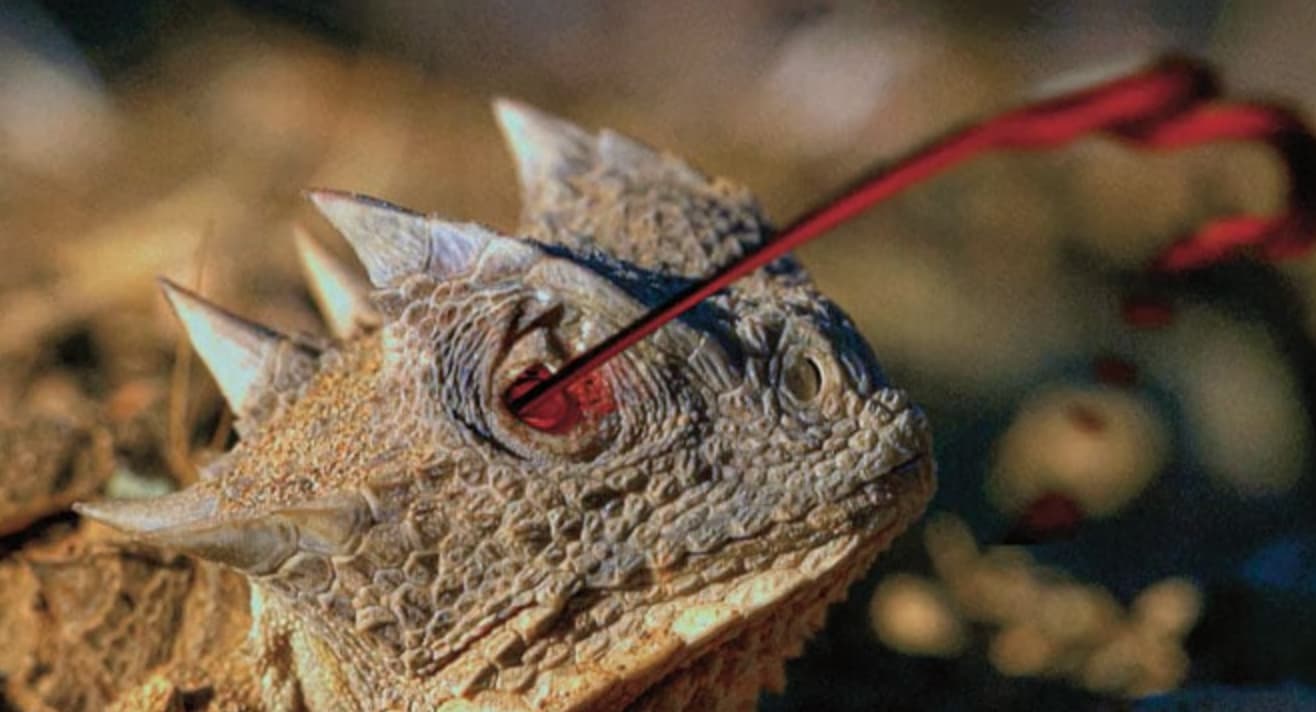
[(330, 525), (151, 515), (619, 150), (343, 297), (393, 242), (546, 148), (188, 521), (252, 546), (249, 361), (630, 156)]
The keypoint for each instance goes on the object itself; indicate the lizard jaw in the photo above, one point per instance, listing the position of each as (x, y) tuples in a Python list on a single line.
[(753, 609)]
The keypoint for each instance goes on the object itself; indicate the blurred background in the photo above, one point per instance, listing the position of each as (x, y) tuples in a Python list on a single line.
[(1138, 532)]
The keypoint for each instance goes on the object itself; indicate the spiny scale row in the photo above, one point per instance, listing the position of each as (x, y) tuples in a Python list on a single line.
[(256, 366)]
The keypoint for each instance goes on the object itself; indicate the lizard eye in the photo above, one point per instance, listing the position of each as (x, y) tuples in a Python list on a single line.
[(573, 424), (802, 379)]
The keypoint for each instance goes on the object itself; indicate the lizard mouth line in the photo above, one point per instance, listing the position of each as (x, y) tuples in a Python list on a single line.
[(893, 485), (904, 470)]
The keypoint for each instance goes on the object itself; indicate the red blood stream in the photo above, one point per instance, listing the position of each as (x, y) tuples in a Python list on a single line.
[(1164, 107)]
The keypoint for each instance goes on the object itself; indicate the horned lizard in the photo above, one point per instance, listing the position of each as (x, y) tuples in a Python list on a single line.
[(410, 543)]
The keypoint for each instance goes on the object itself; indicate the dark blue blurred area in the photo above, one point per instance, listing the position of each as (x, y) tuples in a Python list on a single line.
[(1286, 565), (1291, 697)]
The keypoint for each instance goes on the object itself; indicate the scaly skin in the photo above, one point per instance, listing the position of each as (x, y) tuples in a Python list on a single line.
[(411, 544)]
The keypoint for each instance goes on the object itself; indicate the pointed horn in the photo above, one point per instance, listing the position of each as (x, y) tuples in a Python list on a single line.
[(393, 242), (248, 361), (627, 155), (343, 297), (189, 521), (390, 241), (254, 546), (623, 151), (546, 148), (329, 526), (151, 515), (186, 521)]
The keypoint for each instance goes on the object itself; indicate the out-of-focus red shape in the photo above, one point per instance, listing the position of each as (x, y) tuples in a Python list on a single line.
[(1217, 241), (1284, 236), (1142, 312), (1051, 516), (1115, 371), (1164, 107)]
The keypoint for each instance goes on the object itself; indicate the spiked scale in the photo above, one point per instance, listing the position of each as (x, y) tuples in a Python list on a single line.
[(189, 521), (250, 362), (393, 242), (343, 297), (549, 150), (546, 148), (154, 516)]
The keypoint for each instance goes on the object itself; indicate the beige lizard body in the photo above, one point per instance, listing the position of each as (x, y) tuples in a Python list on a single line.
[(411, 544)]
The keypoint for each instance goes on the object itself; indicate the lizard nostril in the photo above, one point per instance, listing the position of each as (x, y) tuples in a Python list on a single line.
[(803, 379)]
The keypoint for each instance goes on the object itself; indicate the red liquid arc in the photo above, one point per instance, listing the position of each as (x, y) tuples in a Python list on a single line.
[(1164, 107)]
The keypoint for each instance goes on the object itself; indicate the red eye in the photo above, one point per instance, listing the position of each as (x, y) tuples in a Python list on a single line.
[(563, 409), (556, 414)]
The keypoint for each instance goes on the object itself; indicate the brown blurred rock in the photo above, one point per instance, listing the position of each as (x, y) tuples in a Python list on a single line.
[(89, 616), (46, 464)]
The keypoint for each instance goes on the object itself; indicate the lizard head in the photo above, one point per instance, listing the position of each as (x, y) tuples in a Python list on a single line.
[(424, 544)]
